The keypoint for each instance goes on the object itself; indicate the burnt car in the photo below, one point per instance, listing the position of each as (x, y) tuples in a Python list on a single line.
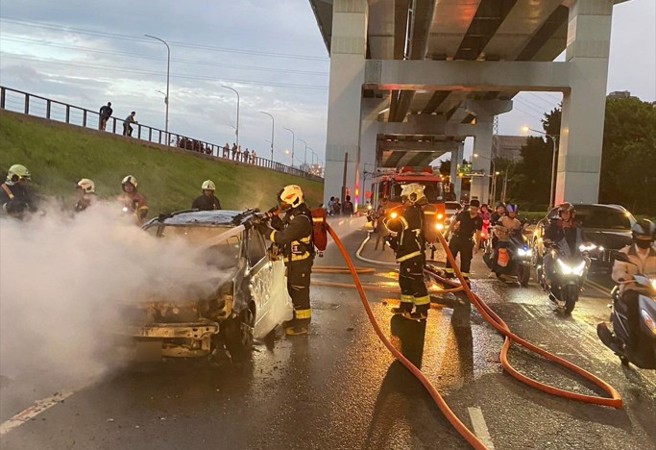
[(608, 227), (246, 302)]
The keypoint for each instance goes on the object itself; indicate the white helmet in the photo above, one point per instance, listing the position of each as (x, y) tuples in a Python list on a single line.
[(413, 192), (87, 185), (17, 172), (130, 179), (291, 195), (208, 185)]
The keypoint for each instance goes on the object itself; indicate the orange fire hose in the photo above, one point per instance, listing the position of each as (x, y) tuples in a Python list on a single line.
[(615, 401)]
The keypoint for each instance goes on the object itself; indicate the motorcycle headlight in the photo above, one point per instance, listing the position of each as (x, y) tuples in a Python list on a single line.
[(394, 215), (587, 247), (439, 226), (524, 252), (648, 321), (568, 270), (578, 270), (369, 207)]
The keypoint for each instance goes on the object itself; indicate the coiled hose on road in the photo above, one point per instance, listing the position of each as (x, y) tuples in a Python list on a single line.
[(615, 401)]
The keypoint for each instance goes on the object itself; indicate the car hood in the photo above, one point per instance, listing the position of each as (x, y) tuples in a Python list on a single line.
[(609, 239)]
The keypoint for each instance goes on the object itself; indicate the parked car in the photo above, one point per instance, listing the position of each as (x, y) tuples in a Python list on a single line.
[(246, 303), (606, 226)]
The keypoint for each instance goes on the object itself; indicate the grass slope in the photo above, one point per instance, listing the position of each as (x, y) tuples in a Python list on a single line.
[(58, 155)]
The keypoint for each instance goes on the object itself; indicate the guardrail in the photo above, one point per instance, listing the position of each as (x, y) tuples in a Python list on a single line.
[(35, 105)]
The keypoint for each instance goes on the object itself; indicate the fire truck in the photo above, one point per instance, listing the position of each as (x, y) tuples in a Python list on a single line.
[(388, 186)]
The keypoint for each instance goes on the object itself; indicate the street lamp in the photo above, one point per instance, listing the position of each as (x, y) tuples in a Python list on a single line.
[(552, 190), (313, 155), (293, 140), (305, 153), (273, 128), (168, 68), (237, 127)]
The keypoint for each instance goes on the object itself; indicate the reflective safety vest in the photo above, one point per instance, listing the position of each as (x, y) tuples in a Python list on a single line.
[(295, 235), (408, 229)]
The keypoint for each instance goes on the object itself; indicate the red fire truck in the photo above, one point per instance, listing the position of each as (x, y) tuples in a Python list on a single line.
[(388, 185)]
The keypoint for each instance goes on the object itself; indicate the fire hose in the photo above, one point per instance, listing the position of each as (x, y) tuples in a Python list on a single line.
[(615, 401)]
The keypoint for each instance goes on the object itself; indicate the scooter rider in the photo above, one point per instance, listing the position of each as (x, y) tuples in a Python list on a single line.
[(87, 190), (465, 240), (293, 233), (132, 200), (564, 231), (408, 241), (642, 257), (14, 196), (498, 213), (207, 201)]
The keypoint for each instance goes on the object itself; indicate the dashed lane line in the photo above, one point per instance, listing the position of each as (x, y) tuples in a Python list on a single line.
[(480, 427)]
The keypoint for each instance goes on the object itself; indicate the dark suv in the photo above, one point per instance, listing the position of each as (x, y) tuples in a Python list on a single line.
[(606, 226)]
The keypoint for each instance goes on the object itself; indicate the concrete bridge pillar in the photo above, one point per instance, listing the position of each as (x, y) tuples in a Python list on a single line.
[(347, 67), (456, 160), (581, 132), (480, 186)]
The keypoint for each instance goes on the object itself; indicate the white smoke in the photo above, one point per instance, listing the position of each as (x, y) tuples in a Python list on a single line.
[(63, 281)]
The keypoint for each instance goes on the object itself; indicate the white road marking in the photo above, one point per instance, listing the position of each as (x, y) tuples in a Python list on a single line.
[(31, 412), (480, 427), (598, 287)]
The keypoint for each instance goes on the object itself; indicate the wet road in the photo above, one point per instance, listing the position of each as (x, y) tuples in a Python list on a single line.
[(339, 388)]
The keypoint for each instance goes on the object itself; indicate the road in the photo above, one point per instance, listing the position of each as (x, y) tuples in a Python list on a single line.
[(339, 388)]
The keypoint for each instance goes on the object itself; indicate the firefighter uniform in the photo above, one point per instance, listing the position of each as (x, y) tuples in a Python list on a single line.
[(462, 240), (293, 234), (408, 241)]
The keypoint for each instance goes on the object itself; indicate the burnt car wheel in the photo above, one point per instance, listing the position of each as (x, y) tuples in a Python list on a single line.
[(239, 335)]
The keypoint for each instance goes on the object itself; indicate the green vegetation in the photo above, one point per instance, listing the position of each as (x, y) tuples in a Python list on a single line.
[(58, 155)]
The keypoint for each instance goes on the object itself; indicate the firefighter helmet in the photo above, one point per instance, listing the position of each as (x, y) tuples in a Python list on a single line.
[(87, 185), (413, 192), (291, 195), (18, 172), (208, 185), (130, 180)]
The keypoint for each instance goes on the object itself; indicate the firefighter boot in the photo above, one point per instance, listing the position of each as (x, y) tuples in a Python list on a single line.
[(297, 327), (421, 313), (405, 307)]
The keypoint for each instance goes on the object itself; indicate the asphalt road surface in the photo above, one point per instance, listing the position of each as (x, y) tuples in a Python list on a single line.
[(339, 388)]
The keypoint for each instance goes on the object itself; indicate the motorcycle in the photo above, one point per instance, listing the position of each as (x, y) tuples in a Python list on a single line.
[(511, 258), (643, 352), (568, 274)]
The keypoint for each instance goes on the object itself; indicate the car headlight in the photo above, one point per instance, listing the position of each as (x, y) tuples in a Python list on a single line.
[(394, 215), (440, 216), (439, 226), (565, 269), (587, 247), (524, 252)]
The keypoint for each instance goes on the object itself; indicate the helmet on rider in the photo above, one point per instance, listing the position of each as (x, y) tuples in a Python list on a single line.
[(18, 172), (290, 196), (511, 208), (208, 185), (129, 180), (87, 186), (413, 192), (643, 232)]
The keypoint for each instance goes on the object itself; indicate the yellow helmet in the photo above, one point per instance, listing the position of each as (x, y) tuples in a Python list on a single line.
[(413, 192), (17, 172), (291, 195), (130, 179), (87, 185), (208, 185)]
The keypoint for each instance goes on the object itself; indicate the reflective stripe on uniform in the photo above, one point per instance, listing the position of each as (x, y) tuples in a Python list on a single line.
[(407, 298), (422, 300), (272, 236), (303, 313), (405, 223), (7, 191), (448, 270), (408, 256)]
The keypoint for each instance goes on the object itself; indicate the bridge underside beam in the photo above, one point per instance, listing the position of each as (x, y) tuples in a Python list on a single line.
[(468, 76)]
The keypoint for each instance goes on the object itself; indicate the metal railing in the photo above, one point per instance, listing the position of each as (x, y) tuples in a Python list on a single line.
[(34, 105)]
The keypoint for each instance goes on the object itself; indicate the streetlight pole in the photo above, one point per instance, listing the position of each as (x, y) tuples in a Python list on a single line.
[(293, 140), (273, 128), (237, 127), (552, 189), (168, 69), (305, 153)]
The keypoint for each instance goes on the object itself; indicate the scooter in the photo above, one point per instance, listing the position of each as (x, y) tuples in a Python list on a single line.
[(510, 259), (568, 275), (643, 352)]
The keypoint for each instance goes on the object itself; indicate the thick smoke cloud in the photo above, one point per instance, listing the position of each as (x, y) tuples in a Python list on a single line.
[(63, 281)]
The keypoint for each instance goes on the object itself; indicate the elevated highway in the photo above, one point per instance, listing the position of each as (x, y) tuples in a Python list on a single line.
[(411, 79)]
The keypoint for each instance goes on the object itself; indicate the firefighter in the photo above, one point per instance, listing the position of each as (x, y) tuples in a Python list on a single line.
[(207, 201), (14, 196), (133, 201), (87, 191), (465, 237), (408, 241), (293, 233)]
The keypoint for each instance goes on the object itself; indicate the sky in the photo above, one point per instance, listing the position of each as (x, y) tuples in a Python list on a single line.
[(87, 52)]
